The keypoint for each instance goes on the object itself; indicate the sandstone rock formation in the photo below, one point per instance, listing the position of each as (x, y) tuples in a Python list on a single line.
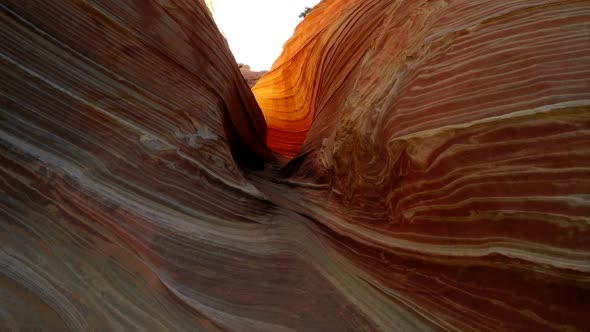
[(441, 178), (249, 75)]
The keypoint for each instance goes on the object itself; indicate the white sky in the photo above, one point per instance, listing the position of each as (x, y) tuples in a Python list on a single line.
[(257, 29)]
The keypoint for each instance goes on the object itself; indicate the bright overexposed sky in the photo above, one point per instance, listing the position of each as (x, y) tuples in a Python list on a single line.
[(257, 29)]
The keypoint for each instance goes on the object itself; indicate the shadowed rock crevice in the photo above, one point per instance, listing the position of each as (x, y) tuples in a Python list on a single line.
[(404, 165)]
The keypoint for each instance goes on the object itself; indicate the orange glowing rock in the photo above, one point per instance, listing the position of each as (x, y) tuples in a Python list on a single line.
[(441, 178), (447, 143)]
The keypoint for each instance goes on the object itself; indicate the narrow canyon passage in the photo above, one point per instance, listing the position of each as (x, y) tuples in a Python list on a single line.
[(404, 166)]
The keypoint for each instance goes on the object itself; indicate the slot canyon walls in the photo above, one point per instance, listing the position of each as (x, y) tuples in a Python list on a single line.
[(121, 205), (447, 145), (441, 182)]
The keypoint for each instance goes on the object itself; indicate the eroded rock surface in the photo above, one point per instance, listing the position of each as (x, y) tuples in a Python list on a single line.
[(442, 177)]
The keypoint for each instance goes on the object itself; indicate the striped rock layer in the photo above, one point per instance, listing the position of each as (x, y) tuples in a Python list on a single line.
[(447, 146), (441, 178)]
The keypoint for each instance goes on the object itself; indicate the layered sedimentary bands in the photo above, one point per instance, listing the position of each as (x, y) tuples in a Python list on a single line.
[(441, 178)]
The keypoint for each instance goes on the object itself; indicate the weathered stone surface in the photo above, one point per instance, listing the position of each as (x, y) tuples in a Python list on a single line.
[(443, 180), (121, 206), (447, 144)]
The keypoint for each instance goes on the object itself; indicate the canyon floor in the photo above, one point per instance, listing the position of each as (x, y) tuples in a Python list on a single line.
[(403, 166)]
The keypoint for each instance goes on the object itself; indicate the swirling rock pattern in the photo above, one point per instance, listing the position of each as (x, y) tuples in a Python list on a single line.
[(442, 177), (447, 145)]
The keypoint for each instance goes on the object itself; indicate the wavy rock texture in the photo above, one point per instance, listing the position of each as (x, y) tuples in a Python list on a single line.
[(443, 180), (446, 146)]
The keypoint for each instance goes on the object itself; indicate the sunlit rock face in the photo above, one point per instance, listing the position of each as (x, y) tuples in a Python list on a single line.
[(447, 145), (122, 206), (442, 179)]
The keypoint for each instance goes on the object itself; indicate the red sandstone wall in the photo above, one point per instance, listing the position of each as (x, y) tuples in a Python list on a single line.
[(445, 145), (442, 181)]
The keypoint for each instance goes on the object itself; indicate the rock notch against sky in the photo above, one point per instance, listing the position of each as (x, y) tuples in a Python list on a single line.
[(440, 179)]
